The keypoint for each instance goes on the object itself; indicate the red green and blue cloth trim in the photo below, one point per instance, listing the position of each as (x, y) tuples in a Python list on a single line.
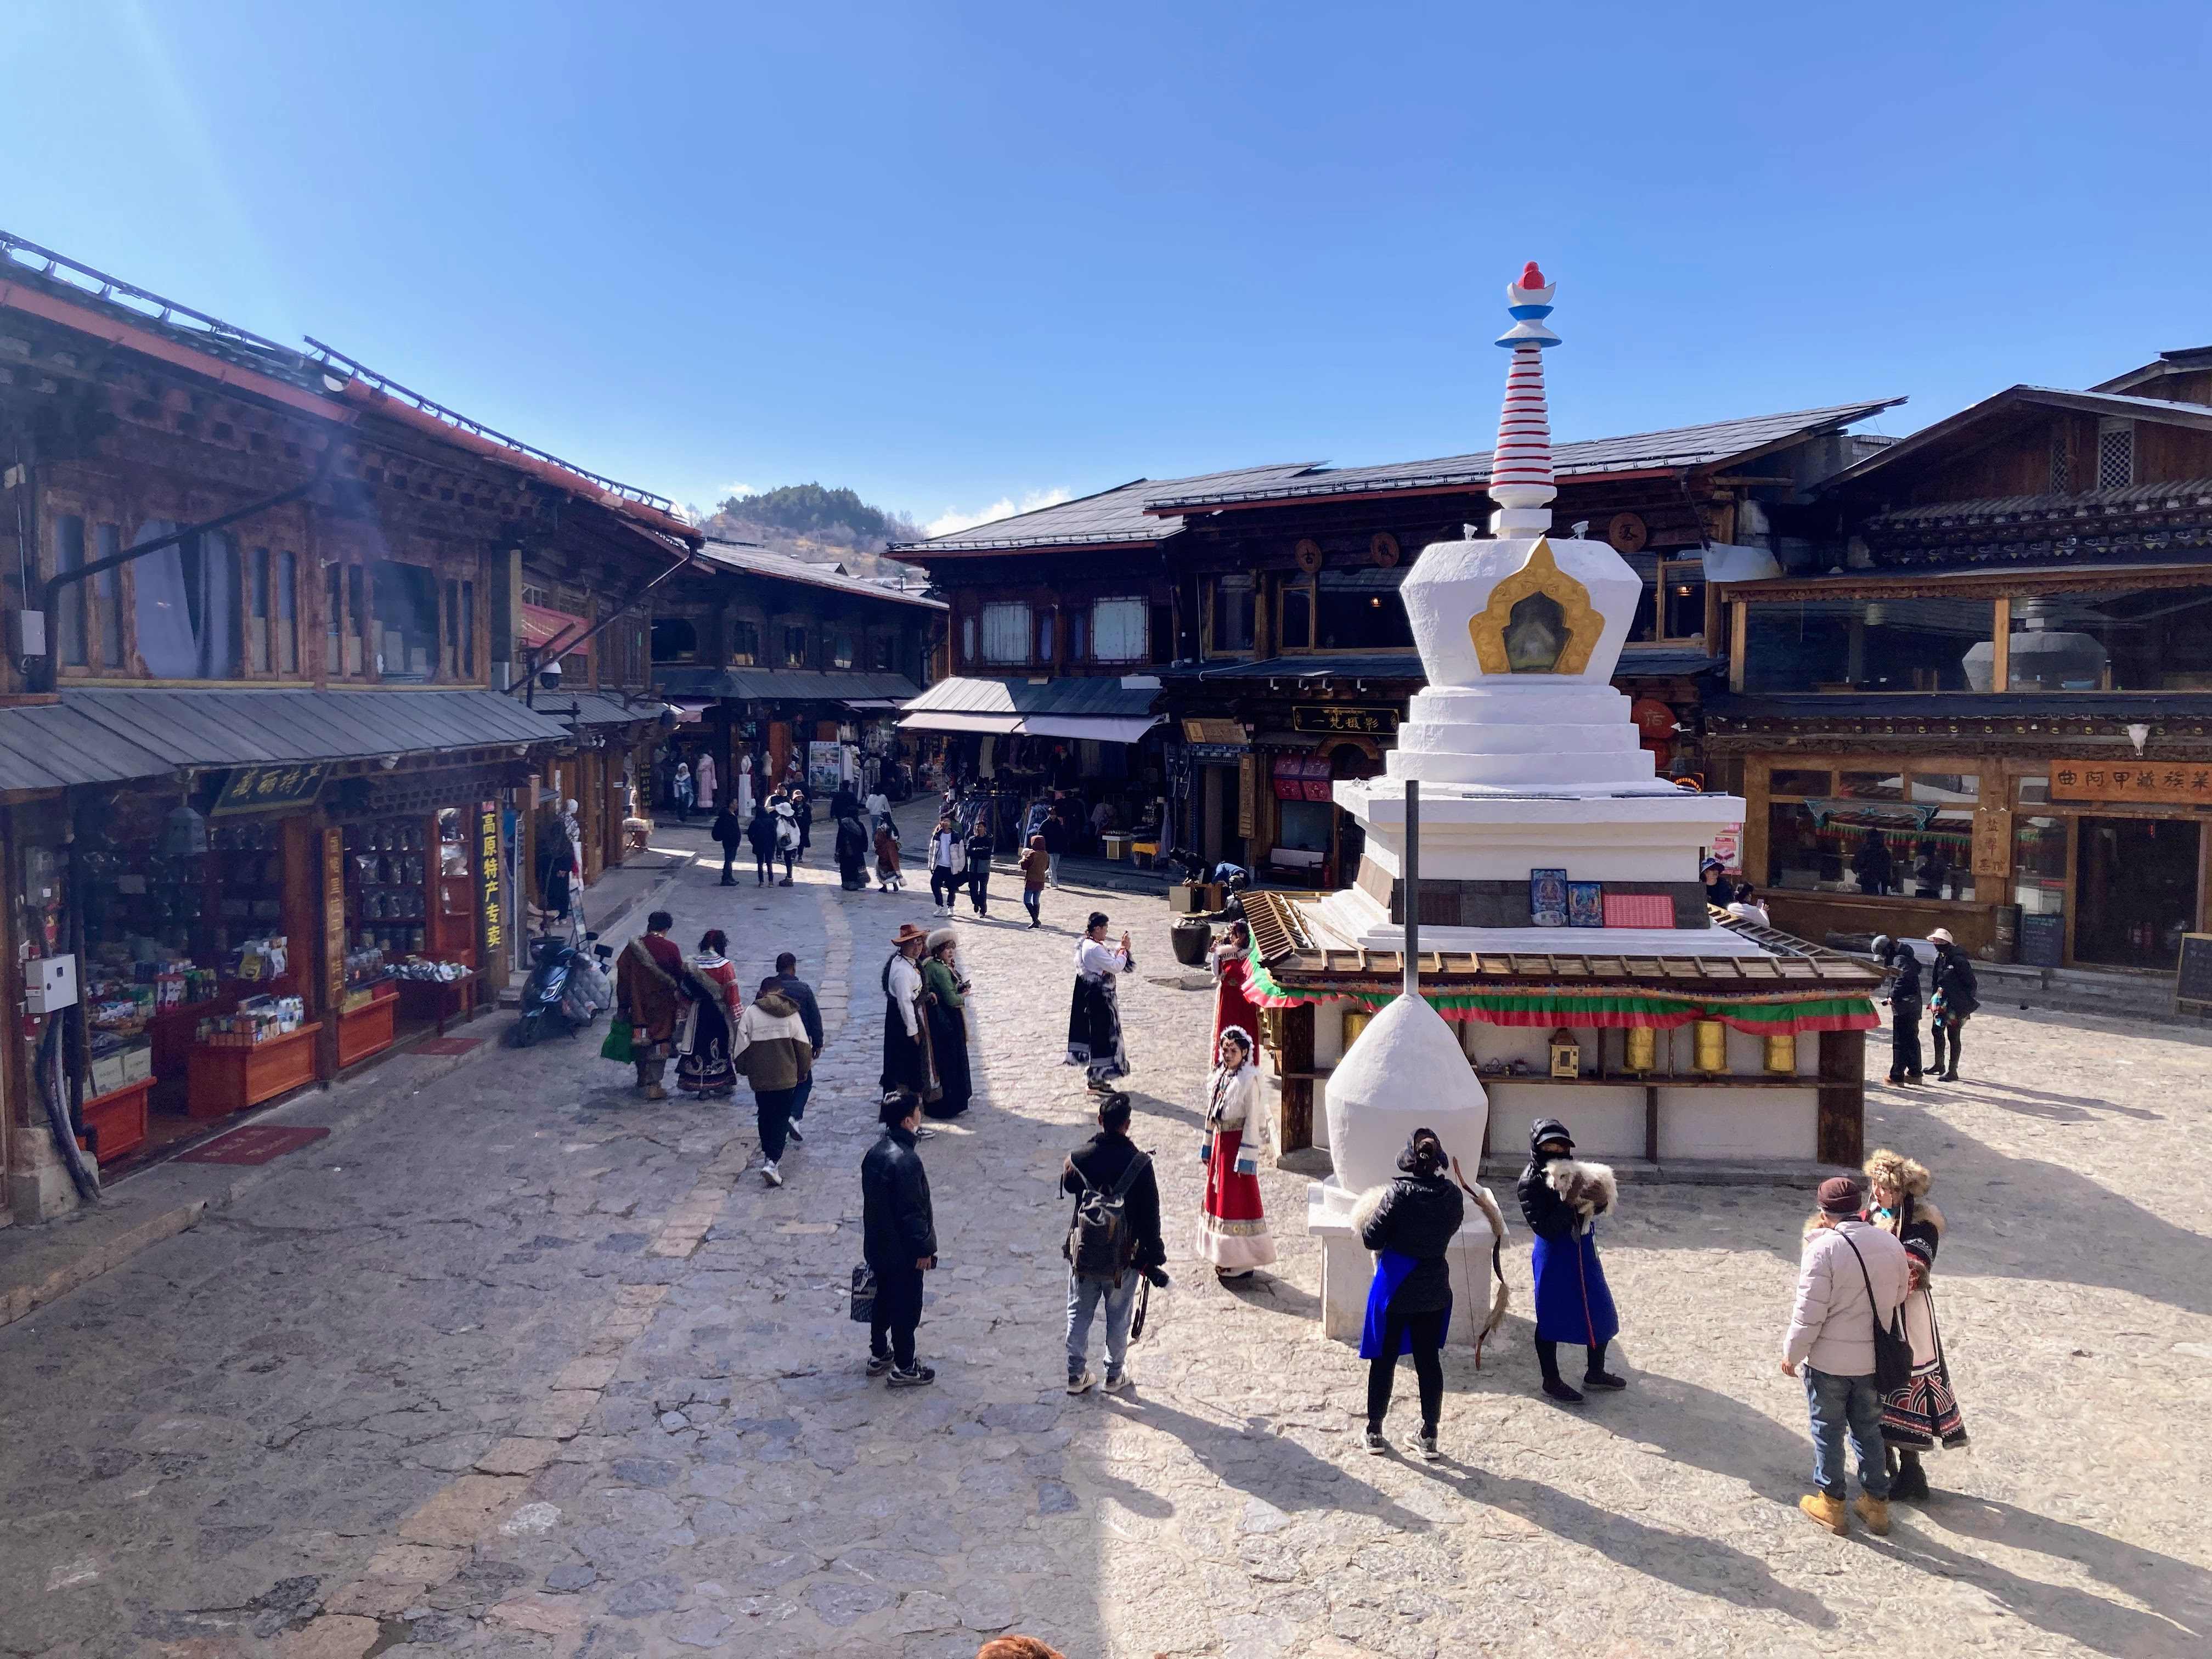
[(1762, 1014)]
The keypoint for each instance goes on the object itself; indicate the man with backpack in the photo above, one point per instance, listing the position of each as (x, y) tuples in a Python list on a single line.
[(1112, 1239)]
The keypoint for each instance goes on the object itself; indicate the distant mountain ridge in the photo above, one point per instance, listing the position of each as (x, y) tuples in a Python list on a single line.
[(823, 526)]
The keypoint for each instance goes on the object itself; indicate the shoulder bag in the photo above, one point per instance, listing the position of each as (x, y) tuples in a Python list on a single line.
[(1893, 1349)]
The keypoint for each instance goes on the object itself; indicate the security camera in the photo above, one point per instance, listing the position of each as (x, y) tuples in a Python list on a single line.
[(550, 676)]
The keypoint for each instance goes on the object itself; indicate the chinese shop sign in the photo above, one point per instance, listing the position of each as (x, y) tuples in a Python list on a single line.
[(2151, 784), (266, 788)]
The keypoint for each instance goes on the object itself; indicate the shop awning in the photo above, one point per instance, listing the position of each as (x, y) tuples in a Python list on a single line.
[(689, 709), (947, 721), (1096, 728), (596, 710), (104, 736), (542, 625)]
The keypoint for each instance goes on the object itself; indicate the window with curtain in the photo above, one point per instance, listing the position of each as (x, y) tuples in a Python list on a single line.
[(359, 655), (108, 596), (744, 644), (1117, 630), (406, 619), (794, 647), (187, 608), (1232, 603), (883, 652), (967, 641), (288, 613), (1044, 636), (258, 654), (841, 654), (69, 630), (1006, 633)]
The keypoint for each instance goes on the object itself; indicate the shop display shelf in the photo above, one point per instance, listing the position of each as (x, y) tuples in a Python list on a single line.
[(117, 1120), (224, 1080), (369, 1028)]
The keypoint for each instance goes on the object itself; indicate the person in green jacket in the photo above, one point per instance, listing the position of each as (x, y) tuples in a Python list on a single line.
[(944, 996)]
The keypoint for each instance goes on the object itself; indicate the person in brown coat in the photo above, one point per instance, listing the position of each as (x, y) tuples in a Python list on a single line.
[(650, 994), (1036, 866)]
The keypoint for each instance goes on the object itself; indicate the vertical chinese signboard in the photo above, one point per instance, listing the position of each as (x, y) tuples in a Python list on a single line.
[(488, 868)]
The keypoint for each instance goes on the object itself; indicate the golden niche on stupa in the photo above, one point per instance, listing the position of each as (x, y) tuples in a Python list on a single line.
[(1539, 620)]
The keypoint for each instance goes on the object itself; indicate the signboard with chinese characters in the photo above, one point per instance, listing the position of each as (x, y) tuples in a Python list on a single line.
[(266, 788), (488, 866), (1992, 840), (1323, 717), (334, 920), (1212, 731), (2157, 783)]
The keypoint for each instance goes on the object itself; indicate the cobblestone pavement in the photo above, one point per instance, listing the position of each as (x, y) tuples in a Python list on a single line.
[(525, 1366)]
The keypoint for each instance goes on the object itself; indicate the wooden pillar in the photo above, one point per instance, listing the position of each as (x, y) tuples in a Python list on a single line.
[(1651, 1122), (1842, 1132), (1294, 1131)]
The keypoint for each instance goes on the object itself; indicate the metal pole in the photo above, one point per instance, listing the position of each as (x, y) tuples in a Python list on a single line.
[(1413, 887)]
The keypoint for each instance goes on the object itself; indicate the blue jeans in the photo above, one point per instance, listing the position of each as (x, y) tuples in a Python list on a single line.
[(1051, 868), (1083, 1297), (1841, 1404)]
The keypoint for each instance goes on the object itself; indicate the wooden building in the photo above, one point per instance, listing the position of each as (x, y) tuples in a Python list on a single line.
[(268, 746), (1997, 717), (1265, 602), (767, 655)]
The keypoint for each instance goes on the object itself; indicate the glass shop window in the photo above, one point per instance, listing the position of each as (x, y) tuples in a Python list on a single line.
[(2146, 639), (1682, 598), (1303, 824), (1943, 789), (405, 646), (1361, 610), (1867, 645), (1231, 607), (2040, 860), (1800, 781), (1832, 847), (1873, 785)]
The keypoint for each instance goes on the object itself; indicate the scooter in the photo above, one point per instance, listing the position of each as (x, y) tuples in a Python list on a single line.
[(565, 991)]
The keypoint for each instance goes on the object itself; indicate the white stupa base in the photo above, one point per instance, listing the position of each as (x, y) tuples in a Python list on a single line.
[(1347, 1267), (1353, 917), (1471, 835)]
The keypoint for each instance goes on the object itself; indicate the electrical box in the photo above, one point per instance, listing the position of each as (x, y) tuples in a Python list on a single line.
[(26, 633), (49, 984)]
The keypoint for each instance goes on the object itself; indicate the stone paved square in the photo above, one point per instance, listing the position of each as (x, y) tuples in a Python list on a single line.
[(472, 1377)]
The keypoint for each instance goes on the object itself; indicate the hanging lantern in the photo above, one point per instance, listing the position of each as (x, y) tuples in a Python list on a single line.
[(183, 833), (1782, 1054), (1640, 1053), (1710, 1048), (1566, 1053)]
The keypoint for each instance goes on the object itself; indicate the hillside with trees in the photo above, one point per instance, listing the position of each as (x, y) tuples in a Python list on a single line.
[(826, 527)]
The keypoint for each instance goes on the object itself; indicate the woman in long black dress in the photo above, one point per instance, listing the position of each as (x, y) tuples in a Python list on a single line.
[(945, 996)]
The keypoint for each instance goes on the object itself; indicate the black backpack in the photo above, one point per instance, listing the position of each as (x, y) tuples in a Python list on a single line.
[(1100, 1244), (1893, 1349)]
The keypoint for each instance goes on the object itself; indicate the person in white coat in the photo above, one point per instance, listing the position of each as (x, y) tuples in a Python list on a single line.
[(1852, 1277), (704, 782)]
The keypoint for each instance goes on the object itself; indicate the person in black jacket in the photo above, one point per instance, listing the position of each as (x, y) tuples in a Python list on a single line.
[(1099, 1165), (898, 1235), (760, 836), (979, 863), (852, 852), (1903, 968), (730, 830), (1573, 1302), (1956, 997), (1409, 1225)]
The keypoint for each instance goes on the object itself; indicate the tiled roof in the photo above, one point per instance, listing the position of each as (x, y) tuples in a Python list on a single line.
[(761, 562), (1111, 516), (1683, 445)]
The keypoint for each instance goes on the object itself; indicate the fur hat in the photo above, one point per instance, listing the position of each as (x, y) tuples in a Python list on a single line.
[(939, 936), (1898, 1173)]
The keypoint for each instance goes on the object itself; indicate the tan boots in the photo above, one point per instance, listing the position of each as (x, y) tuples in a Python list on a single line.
[(1829, 1512)]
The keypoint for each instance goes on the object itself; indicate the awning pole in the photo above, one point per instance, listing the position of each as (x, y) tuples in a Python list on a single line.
[(1413, 887)]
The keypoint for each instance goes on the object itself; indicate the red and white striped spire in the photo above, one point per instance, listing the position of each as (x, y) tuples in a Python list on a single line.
[(1521, 466)]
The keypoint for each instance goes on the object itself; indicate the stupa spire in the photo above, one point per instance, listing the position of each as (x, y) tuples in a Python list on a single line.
[(1521, 465)]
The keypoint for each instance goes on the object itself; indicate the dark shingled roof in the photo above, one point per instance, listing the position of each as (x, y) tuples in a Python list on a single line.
[(755, 561), (1681, 446), (1111, 516)]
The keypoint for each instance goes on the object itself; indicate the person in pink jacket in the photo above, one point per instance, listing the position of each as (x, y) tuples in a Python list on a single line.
[(1851, 1277)]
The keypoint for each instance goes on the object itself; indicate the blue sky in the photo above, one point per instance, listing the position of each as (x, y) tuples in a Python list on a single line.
[(961, 256)]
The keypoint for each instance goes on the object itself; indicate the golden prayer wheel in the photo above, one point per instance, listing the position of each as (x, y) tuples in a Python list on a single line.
[(1640, 1053), (1782, 1054), (1356, 1020), (1710, 1048)]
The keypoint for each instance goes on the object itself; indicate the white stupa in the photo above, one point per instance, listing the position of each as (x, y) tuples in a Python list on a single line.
[(1525, 752), (1527, 761)]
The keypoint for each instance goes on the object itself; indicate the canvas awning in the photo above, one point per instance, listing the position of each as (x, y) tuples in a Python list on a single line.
[(1095, 728), (943, 719)]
